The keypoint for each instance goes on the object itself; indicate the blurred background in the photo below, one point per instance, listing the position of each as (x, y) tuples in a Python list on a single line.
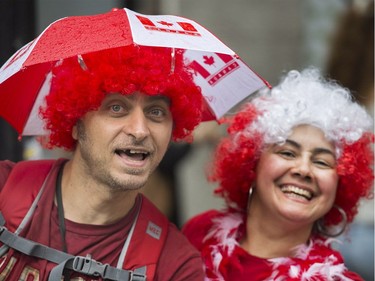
[(272, 37)]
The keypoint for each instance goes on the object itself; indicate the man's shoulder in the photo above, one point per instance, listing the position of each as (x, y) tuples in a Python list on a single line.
[(27, 171), (177, 238), (23, 180), (6, 167), (179, 260)]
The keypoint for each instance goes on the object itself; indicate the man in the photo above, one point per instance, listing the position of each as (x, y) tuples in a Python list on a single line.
[(117, 111)]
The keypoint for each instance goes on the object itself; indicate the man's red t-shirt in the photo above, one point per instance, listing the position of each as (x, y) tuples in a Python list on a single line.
[(178, 259)]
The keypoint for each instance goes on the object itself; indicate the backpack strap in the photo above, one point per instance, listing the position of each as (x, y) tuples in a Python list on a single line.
[(84, 265), (143, 249), (24, 181), (17, 182), (146, 245)]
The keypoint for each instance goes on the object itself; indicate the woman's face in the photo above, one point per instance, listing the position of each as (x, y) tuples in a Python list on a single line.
[(297, 180)]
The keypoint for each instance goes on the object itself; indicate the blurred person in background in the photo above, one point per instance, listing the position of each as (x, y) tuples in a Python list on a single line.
[(351, 63), (292, 171)]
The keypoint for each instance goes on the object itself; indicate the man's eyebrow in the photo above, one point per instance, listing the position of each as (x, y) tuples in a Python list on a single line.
[(151, 97), (161, 97), (317, 150), (158, 99)]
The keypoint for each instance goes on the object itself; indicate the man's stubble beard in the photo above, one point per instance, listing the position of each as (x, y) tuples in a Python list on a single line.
[(96, 167)]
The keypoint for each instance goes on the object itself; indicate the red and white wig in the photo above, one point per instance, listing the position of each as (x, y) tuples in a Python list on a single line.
[(300, 98), (77, 88)]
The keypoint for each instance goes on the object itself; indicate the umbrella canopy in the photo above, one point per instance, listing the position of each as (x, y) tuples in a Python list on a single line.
[(25, 78)]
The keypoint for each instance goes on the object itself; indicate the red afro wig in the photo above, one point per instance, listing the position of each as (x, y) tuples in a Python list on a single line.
[(355, 170), (234, 165), (77, 88)]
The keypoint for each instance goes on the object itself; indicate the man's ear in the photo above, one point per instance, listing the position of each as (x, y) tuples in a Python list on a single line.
[(75, 132)]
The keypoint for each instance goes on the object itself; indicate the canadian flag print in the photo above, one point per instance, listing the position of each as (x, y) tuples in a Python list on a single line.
[(169, 26), (224, 79), (173, 32), (15, 62), (214, 67), (19, 54)]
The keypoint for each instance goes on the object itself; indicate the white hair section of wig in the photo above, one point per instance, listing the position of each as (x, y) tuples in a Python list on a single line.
[(306, 98)]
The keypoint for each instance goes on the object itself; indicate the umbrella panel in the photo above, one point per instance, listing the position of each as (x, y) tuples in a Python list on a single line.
[(223, 78), (15, 105), (62, 39)]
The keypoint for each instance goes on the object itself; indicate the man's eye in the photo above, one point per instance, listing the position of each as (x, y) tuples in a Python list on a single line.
[(157, 112), (116, 108)]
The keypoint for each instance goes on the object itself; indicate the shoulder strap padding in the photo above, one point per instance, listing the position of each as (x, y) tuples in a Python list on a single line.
[(24, 183), (148, 240), (21, 188)]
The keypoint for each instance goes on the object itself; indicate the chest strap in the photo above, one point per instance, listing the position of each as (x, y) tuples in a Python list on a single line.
[(83, 265)]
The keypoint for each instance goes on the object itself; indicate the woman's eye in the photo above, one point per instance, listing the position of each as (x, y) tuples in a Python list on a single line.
[(286, 153), (321, 163), (325, 163)]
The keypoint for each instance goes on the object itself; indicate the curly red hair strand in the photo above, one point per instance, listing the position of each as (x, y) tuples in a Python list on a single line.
[(239, 160), (125, 70)]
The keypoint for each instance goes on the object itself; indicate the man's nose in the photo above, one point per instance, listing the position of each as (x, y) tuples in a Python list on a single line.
[(137, 124)]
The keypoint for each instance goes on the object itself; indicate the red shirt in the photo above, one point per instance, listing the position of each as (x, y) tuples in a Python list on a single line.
[(204, 233), (178, 260)]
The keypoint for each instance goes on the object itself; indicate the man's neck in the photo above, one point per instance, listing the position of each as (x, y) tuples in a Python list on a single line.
[(86, 201)]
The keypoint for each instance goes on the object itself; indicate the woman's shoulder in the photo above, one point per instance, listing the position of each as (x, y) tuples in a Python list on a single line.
[(197, 227)]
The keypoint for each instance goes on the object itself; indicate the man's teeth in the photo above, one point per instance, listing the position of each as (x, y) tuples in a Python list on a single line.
[(297, 191), (135, 154)]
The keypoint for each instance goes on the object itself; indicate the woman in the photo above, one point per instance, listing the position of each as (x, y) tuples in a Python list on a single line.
[(292, 170)]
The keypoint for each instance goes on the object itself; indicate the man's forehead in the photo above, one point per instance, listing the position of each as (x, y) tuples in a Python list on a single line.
[(139, 95)]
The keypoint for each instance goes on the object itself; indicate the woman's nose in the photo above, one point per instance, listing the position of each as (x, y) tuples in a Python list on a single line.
[(302, 168)]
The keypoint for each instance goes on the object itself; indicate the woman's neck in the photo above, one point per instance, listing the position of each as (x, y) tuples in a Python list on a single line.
[(269, 238)]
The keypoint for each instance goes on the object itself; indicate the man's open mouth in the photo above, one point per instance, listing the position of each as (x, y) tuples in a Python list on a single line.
[(133, 153)]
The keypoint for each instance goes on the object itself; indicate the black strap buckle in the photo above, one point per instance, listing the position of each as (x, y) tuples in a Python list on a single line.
[(139, 274), (89, 266), (2, 220), (2, 229)]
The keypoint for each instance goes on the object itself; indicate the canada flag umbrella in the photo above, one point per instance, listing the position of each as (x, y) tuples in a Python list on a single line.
[(25, 78)]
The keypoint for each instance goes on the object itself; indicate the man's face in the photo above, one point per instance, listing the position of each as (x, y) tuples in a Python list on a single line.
[(123, 142)]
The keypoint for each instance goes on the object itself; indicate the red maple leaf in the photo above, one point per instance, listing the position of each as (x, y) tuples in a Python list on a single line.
[(187, 26), (209, 60), (165, 23)]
